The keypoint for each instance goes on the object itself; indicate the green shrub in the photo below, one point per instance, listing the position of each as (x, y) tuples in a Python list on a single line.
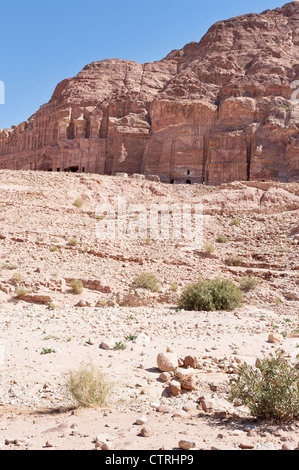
[(236, 221), (146, 281), (208, 295), (270, 389), (120, 345), (47, 351), (88, 386), (77, 286), (248, 283)]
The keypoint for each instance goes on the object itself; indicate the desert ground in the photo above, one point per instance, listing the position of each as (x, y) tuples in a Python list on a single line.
[(48, 239)]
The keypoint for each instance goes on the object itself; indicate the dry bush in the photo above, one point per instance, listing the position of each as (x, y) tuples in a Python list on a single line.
[(146, 281), (88, 386), (79, 202), (77, 286)]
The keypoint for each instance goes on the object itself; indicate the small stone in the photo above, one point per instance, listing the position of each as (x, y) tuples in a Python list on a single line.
[(186, 445), (108, 344), (165, 376), (103, 442), (175, 388), (163, 409), (275, 338), (167, 362), (192, 361), (141, 420), (287, 447), (189, 383), (185, 373), (146, 432), (246, 446)]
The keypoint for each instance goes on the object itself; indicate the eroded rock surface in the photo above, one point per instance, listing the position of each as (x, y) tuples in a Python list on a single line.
[(215, 111)]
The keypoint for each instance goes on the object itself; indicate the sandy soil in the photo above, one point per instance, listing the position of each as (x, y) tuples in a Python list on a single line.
[(38, 220)]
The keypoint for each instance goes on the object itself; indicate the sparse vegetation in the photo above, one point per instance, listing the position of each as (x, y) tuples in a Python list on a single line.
[(208, 295), (173, 287), (248, 283), (77, 286), (130, 337), (17, 277), (73, 241), (9, 266), (209, 249), (270, 390), (79, 202), (120, 345), (47, 351), (234, 260), (146, 281), (88, 386), (236, 221), (53, 248), (21, 292), (222, 239)]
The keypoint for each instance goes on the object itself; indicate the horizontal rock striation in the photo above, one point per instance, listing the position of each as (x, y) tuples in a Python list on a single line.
[(213, 112)]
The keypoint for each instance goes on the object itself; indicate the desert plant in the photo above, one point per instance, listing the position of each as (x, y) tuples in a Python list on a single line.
[(47, 351), (53, 248), (146, 281), (221, 239), (73, 241), (130, 337), (77, 286), (79, 202), (9, 266), (236, 221), (208, 295), (173, 287), (248, 283), (21, 292), (88, 386), (234, 260), (209, 248), (270, 389), (120, 345), (17, 277)]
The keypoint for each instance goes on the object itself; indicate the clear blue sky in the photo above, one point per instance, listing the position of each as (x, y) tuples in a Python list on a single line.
[(43, 42)]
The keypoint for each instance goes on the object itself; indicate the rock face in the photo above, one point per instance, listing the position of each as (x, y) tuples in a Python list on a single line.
[(215, 111)]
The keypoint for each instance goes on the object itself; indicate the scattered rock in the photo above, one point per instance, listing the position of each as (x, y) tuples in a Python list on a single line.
[(167, 362)]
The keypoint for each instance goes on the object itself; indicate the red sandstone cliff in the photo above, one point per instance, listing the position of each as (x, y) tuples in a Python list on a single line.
[(215, 111)]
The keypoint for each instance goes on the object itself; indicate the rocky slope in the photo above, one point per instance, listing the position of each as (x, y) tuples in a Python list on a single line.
[(46, 241), (215, 111)]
